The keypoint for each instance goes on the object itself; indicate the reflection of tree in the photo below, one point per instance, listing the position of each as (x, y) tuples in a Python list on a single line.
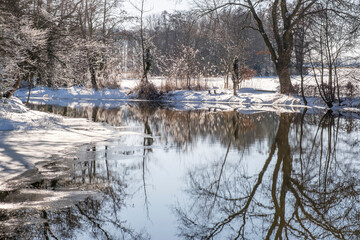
[(148, 141), (186, 128), (183, 128), (98, 216), (300, 195), (86, 216)]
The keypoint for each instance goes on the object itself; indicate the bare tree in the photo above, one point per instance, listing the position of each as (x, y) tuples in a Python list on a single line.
[(227, 31), (22, 49), (331, 35), (279, 34), (144, 42), (217, 37)]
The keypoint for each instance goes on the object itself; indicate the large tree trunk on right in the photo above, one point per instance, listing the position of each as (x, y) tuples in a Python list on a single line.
[(283, 72)]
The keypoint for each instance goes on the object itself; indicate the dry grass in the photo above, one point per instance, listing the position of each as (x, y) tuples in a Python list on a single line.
[(180, 84), (112, 84), (146, 91), (348, 90), (199, 87), (167, 87)]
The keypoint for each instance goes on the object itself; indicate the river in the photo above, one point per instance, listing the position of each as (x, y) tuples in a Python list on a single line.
[(199, 174)]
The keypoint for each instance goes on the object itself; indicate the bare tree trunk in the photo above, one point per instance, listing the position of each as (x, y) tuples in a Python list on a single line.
[(302, 83), (188, 80), (337, 83), (282, 48), (300, 53), (283, 72), (234, 87), (226, 81), (104, 21), (11, 92), (50, 55), (28, 98), (93, 74), (144, 78)]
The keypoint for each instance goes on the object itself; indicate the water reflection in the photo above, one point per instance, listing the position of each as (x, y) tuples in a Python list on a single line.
[(76, 210), (182, 128), (234, 176), (306, 189)]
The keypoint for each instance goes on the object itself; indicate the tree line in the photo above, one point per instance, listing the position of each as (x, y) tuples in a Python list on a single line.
[(86, 42), (58, 42)]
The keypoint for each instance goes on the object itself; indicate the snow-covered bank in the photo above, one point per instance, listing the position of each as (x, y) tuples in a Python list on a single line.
[(28, 138), (15, 116), (247, 98), (77, 93), (251, 99)]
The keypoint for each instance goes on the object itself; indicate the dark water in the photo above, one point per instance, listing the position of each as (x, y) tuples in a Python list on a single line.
[(202, 175)]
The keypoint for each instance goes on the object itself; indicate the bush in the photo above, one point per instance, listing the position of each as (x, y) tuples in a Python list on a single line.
[(350, 89), (246, 74), (168, 87), (146, 91), (110, 84)]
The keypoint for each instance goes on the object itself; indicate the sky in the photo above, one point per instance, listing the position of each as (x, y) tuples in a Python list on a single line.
[(157, 6)]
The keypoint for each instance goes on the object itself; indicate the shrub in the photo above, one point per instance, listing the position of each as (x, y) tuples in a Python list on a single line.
[(350, 89), (169, 86), (246, 73), (110, 84), (146, 91)]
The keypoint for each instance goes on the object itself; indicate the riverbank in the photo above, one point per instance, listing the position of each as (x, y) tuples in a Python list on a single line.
[(258, 94), (29, 139)]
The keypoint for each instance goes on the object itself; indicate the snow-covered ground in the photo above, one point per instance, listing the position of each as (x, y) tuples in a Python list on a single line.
[(258, 94), (29, 137)]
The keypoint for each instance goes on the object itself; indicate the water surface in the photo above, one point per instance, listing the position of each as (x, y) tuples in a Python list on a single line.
[(200, 175)]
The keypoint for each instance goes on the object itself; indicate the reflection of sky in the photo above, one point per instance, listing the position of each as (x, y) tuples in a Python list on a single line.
[(167, 165), (166, 177)]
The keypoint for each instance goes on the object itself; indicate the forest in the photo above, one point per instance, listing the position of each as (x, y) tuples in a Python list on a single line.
[(96, 43)]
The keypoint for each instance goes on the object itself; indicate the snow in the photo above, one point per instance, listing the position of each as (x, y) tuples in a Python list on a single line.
[(247, 98), (72, 93), (29, 137), (15, 116), (42, 199)]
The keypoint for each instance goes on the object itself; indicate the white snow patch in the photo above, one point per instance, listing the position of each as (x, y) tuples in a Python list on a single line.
[(28, 137), (72, 93), (246, 99)]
